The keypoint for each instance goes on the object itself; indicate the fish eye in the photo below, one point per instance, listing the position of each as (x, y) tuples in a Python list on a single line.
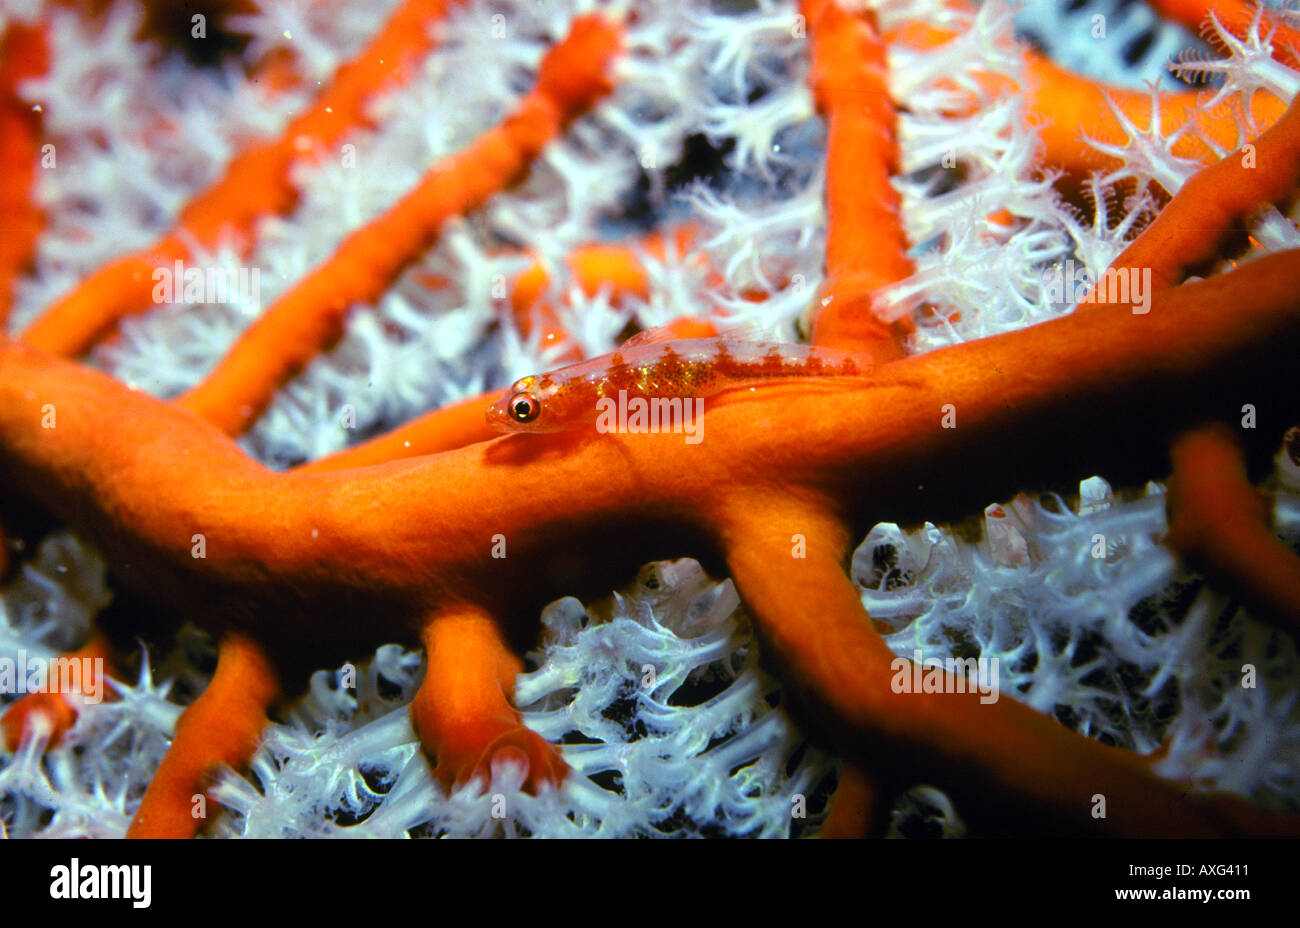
[(524, 407)]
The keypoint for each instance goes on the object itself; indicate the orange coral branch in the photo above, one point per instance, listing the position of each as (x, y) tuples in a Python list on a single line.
[(865, 246), (452, 426), (310, 315), (23, 55), (855, 807), (462, 711), (221, 727), (161, 466), (1217, 203), (1221, 525), (254, 185)]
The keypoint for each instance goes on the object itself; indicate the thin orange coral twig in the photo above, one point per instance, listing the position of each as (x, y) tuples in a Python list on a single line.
[(221, 727), (462, 712), (866, 249), (855, 808), (452, 426), (1220, 523), (23, 55)]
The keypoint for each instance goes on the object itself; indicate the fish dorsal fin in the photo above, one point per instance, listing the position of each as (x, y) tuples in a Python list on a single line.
[(746, 333), (690, 327), (661, 333), (673, 331)]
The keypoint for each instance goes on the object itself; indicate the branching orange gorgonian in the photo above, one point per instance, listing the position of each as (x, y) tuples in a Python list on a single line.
[(872, 179)]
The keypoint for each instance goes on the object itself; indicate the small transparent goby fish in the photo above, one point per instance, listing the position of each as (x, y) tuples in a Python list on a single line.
[(656, 364)]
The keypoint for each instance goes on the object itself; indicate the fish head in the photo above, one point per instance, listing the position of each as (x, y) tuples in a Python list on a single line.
[(528, 406)]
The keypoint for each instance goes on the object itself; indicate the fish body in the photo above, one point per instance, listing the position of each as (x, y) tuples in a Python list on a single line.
[(691, 368)]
